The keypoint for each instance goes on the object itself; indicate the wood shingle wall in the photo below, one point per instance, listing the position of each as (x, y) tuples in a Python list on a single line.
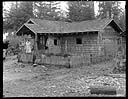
[(88, 46), (109, 40)]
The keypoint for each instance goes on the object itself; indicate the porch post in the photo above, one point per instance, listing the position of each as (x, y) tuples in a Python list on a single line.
[(62, 44), (35, 43), (66, 45), (35, 48)]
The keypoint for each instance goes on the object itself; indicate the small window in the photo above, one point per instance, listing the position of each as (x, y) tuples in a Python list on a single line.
[(55, 41), (78, 41), (41, 40), (118, 41)]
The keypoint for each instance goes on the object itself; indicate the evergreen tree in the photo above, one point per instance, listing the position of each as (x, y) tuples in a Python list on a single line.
[(81, 10), (122, 21), (47, 10), (19, 13), (109, 9), (114, 11)]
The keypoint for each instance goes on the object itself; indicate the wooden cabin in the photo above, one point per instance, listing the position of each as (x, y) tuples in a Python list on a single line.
[(70, 43)]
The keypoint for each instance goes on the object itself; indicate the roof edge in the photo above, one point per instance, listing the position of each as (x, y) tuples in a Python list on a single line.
[(118, 26), (19, 29), (31, 20), (27, 27), (110, 20), (114, 22)]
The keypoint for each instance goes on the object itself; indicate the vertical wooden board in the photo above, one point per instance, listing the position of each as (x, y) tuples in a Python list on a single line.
[(58, 60), (85, 59), (42, 60), (31, 57), (23, 57), (54, 59), (27, 58), (50, 60), (75, 60), (46, 60)]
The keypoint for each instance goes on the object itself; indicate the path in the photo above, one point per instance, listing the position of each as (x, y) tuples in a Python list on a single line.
[(14, 76), (8, 66)]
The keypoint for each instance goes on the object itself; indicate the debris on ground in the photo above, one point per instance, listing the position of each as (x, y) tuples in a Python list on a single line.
[(52, 81)]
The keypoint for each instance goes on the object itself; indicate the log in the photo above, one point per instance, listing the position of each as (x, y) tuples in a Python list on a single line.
[(103, 90)]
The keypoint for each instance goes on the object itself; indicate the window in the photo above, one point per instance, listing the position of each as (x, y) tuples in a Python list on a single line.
[(55, 41), (78, 41), (41, 40), (118, 41)]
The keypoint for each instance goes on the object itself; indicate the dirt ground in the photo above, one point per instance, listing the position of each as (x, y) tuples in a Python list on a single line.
[(25, 80)]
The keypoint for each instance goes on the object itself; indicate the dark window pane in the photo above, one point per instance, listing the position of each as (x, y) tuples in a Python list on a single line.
[(78, 41), (55, 41)]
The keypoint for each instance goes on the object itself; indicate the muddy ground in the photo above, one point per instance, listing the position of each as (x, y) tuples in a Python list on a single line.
[(25, 80)]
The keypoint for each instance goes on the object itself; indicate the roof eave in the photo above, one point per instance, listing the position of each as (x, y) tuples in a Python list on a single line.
[(119, 26), (27, 27), (24, 24)]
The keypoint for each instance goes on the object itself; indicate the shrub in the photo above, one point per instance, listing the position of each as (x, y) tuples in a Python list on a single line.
[(13, 47)]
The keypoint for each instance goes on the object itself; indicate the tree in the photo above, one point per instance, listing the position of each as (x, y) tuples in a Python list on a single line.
[(122, 21), (47, 10), (114, 11), (19, 13), (109, 9), (81, 10), (7, 18)]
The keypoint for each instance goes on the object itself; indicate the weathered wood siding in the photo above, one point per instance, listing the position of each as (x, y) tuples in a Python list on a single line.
[(53, 60), (109, 40), (88, 46), (52, 48)]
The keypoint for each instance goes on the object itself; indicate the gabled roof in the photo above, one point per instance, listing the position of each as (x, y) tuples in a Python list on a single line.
[(47, 26)]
